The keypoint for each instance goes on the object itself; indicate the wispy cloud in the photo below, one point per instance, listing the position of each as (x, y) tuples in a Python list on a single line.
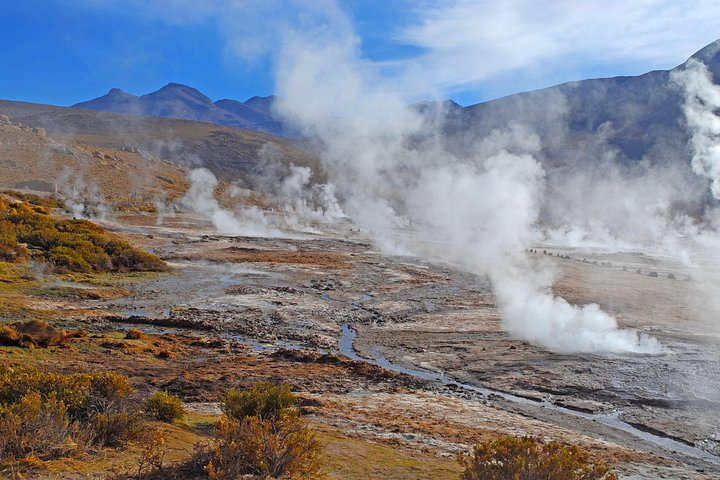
[(466, 44), (470, 41)]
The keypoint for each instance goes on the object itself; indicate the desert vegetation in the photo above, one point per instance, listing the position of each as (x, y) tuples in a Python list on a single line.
[(46, 415), (165, 406), (261, 435), (28, 231), (528, 458)]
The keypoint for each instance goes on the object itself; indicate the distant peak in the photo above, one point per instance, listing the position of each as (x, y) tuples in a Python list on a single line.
[(118, 92), (178, 89), (258, 98), (172, 86)]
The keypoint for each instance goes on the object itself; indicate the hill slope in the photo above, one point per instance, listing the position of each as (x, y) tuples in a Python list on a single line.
[(230, 153)]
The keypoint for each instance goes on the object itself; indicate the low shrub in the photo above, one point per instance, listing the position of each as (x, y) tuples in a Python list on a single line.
[(36, 427), (266, 400), (165, 406), (134, 334), (34, 334), (261, 436), (35, 200), (46, 414), (286, 448), (70, 245), (527, 458)]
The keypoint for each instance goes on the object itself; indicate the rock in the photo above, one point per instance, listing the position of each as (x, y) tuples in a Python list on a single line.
[(4, 119)]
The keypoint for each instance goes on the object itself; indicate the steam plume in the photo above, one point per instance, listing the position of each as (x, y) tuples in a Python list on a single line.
[(702, 100), (393, 170)]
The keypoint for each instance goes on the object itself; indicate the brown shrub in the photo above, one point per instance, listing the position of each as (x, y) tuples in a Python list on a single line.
[(165, 354), (134, 334), (264, 438), (34, 334), (49, 415), (36, 427), (527, 458), (261, 448)]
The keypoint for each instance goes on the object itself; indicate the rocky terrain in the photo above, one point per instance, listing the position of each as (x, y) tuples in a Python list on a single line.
[(400, 353)]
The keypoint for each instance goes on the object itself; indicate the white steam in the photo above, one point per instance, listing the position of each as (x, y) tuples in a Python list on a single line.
[(200, 198), (474, 211), (81, 199), (702, 101)]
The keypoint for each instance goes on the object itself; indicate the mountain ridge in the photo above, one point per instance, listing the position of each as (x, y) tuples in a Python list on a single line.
[(176, 100)]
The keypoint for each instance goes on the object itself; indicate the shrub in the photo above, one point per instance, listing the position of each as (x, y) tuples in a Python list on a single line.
[(70, 245), (286, 448), (49, 414), (266, 400), (36, 427), (527, 458), (134, 334), (36, 200), (10, 250), (261, 436), (35, 333), (165, 406)]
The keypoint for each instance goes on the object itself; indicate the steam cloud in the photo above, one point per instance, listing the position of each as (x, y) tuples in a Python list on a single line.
[(303, 203), (477, 211), (200, 198), (702, 100)]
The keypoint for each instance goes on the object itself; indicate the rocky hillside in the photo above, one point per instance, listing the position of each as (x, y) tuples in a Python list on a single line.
[(88, 176), (231, 153)]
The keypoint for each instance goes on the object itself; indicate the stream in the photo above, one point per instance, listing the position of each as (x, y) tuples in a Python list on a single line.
[(611, 419)]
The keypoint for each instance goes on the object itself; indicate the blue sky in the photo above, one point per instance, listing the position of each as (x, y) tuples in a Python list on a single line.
[(65, 51)]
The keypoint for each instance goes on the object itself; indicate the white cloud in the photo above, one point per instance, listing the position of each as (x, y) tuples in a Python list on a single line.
[(470, 41), (466, 45)]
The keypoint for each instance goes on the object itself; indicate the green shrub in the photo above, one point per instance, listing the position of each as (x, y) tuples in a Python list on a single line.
[(527, 458), (70, 245), (165, 406), (266, 400), (35, 200)]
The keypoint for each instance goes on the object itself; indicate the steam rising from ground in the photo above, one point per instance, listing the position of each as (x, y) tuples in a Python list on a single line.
[(702, 101), (294, 191), (200, 198), (477, 211)]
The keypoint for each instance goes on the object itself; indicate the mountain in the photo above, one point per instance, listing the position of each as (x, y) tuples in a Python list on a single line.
[(637, 117), (175, 100)]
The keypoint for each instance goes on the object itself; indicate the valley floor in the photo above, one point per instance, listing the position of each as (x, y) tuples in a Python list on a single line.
[(399, 363)]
